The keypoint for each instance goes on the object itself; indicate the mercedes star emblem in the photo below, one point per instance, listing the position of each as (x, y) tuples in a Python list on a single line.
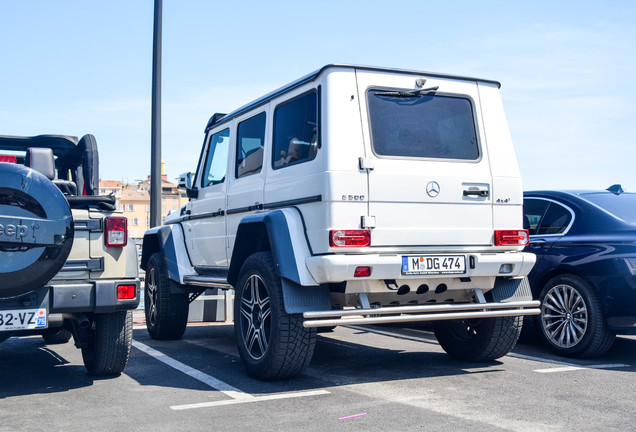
[(432, 189)]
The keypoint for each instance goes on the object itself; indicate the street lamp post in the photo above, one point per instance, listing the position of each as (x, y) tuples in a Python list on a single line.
[(155, 136)]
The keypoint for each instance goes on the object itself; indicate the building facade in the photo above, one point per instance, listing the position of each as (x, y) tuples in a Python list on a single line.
[(133, 199)]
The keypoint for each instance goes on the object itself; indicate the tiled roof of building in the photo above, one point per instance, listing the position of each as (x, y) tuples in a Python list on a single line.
[(135, 195), (109, 183)]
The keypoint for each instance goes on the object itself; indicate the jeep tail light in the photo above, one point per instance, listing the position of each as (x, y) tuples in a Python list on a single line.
[(116, 231), (8, 158), (349, 238), (126, 292), (511, 237)]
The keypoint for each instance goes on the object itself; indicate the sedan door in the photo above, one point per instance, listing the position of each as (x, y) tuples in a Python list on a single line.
[(547, 222)]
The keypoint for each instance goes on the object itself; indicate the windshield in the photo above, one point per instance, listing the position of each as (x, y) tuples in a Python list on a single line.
[(422, 126), (622, 206)]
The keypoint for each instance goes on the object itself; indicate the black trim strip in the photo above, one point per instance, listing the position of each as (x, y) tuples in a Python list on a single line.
[(92, 225), (293, 202), (205, 215), (302, 219), (185, 242), (245, 209), (92, 264), (270, 206), (276, 205)]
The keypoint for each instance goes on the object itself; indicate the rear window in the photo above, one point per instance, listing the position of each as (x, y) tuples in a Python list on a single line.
[(622, 206), (422, 126)]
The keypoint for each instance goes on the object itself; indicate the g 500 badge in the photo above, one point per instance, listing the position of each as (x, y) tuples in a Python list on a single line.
[(353, 197)]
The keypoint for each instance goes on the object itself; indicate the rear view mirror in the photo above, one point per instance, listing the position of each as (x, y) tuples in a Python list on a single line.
[(185, 182)]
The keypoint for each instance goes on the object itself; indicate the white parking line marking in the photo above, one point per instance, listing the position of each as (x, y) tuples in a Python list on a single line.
[(237, 396), (541, 359), (573, 368), (254, 399), (219, 385), (567, 366)]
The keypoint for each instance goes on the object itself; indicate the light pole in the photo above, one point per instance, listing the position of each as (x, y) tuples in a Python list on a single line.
[(155, 136)]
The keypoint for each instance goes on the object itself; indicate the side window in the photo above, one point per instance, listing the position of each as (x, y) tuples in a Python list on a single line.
[(533, 211), (543, 217), (216, 162), (296, 130), (556, 220), (249, 146)]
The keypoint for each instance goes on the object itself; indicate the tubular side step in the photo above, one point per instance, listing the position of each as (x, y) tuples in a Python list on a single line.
[(207, 281), (419, 313)]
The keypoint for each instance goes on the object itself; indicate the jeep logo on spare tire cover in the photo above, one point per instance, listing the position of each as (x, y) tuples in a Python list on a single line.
[(36, 230)]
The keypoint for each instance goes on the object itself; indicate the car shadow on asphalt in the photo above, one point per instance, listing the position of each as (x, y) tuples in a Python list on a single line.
[(29, 366), (212, 351)]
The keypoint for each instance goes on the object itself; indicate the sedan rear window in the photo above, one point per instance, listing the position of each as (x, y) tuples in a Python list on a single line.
[(422, 126), (622, 206)]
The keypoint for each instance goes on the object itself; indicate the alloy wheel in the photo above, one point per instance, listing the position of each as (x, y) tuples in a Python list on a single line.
[(255, 317), (564, 316), (151, 297)]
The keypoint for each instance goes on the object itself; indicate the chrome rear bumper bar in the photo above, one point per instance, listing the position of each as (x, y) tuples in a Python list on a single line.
[(419, 313)]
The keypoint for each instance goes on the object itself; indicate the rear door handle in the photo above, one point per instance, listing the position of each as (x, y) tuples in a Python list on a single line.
[(476, 193), (537, 244)]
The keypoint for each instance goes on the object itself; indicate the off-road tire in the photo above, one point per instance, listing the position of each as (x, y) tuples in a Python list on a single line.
[(59, 337), (284, 348), (107, 348), (166, 312), (594, 339), (479, 340)]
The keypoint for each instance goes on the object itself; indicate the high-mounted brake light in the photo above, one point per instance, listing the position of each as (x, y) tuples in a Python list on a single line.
[(8, 158), (511, 238), (349, 238), (115, 231)]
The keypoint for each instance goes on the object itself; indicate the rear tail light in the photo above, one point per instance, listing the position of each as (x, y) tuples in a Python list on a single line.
[(8, 158), (349, 238), (126, 292), (511, 238), (116, 231)]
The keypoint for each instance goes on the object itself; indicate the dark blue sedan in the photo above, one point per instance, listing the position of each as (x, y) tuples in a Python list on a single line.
[(585, 275)]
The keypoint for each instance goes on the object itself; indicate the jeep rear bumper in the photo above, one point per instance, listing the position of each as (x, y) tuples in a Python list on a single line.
[(98, 296)]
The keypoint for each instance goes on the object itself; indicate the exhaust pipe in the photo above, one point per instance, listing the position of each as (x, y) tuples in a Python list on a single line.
[(81, 320)]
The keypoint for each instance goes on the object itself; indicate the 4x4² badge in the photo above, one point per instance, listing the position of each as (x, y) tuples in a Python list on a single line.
[(432, 189)]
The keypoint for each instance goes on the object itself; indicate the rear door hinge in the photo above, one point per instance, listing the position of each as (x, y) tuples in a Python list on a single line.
[(365, 163)]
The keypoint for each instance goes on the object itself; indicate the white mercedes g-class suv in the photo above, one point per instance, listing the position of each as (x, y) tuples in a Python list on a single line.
[(354, 195)]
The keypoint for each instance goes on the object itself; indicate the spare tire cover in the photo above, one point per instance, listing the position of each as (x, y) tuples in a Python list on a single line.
[(36, 230)]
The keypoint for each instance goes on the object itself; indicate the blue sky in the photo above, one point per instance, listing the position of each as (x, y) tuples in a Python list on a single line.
[(568, 71)]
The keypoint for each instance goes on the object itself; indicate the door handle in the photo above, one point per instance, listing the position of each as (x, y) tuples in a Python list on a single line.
[(537, 243), (476, 193)]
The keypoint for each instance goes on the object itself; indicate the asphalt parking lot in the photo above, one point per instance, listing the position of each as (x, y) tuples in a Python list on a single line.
[(361, 378)]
